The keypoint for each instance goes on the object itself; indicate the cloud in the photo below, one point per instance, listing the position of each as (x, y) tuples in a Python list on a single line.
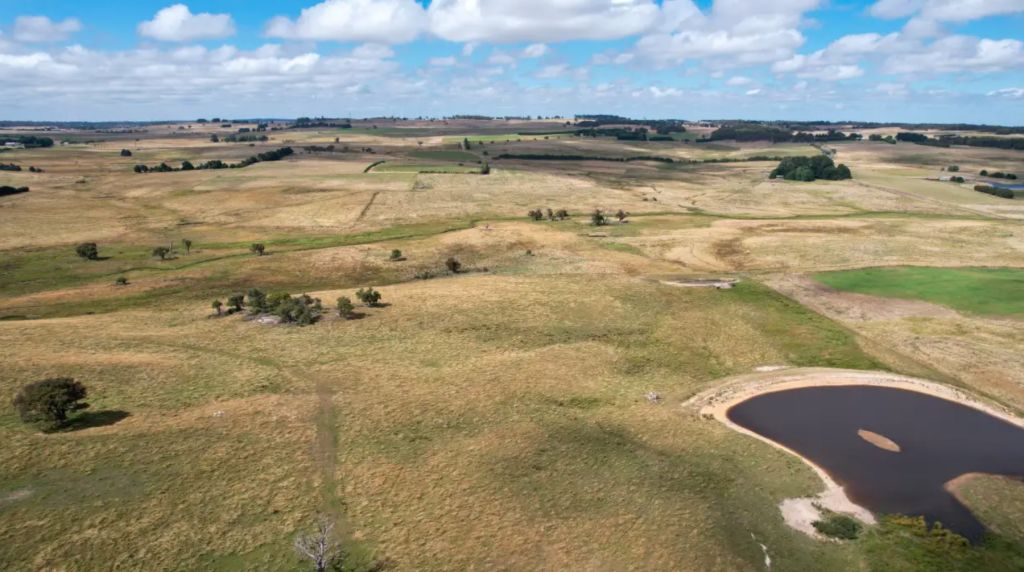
[(384, 21), (929, 15), (443, 62), (739, 80), (733, 33), (956, 54), (535, 51), (1008, 92), (507, 21), (43, 29), (552, 71), (178, 24)]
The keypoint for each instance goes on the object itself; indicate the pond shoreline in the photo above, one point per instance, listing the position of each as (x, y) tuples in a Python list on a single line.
[(800, 513)]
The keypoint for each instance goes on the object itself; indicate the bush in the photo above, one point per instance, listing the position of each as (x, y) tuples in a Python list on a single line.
[(836, 525), (257, 248), (396, 254), (453, 265), (88, 251), (49, 401), (345, 308), (217, 305), (956, 179), (161, 252), (953, 168), (121, 281), (369, 296), (257, 300), (983, 173), (126, 153), (536, 214), (597, 218), (236, 302)]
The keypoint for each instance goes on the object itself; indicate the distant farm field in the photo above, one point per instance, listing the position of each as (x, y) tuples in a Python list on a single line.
[(987, 291)]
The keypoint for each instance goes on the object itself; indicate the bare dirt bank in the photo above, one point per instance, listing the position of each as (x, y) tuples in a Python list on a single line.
[(800, 513)]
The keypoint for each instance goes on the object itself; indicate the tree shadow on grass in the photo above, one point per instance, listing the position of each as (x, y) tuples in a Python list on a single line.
[(90, 419)]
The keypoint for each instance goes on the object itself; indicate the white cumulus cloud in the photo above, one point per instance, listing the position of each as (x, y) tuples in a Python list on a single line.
[(384, 21), (178, 24), (43, 29)]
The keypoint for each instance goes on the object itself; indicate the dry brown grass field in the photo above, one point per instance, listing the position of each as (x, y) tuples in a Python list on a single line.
[(494, 418)]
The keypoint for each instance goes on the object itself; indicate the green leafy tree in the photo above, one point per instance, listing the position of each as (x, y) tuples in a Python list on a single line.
[(162, 252), (126, 153), (88, 251), (49, 401), (257, 248), (368, 296), (597, 218), (257, 300), (396, 254)]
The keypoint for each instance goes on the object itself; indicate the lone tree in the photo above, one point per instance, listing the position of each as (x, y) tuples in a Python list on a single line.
[(318, 546), (345, 308), (217, 305), (453, 265), (126, 153), (598, 218), (49, 401), (396, 254), (369, 296), (187, 244), (236, 302), (162, 252), (621, 215), (258, 248), (88, 250)]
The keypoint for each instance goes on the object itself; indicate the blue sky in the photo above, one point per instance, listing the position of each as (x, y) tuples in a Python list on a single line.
[(885, 60)]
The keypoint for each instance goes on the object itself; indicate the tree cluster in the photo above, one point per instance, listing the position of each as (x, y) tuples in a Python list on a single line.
[(538, 214), (29, 141), (88, 251), (6, 190), (946, 140), (998, 175), (275, 155), (9, 167), (810, 168), (568, 157), (995, 191)]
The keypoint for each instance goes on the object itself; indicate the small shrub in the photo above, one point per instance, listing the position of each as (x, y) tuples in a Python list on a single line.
[(257, 300), (561, 214), (236, 302), (88, 251), (453, 265), (423, 275), (983, 173), (839, 526), (121, 281), (536, 214), (257, 248), (49, 401), (621, 215), (217, 305), (187, 244), (345, 308), (953, 168), (161, 252), (396, 254), (368, 296), (126, 153), (956, 179), (597, 218)]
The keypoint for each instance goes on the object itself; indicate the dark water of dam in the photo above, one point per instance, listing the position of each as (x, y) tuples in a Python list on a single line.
[(939, 440)]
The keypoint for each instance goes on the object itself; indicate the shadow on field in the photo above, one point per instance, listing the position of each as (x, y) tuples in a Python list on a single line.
[(91, 419)]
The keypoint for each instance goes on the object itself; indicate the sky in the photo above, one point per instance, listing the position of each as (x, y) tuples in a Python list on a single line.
[(886, 60)]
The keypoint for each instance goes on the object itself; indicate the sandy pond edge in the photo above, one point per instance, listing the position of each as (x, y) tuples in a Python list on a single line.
[(800, 513)]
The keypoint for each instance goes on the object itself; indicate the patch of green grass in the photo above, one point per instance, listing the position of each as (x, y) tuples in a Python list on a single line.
[(839, 526), (445, 155), (446, 168), (622, 247), (984, 291), (908, 544)]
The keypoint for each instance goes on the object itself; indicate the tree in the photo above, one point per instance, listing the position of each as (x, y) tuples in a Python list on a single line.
[(486, 168), (550, 214), (257, 300), (369, 296), (121, 281), (621, 215), (983, 173), (49, 401), (126, 153), (187, 244), (562, 214), (236, 302), (187, 166), (217, 305), (214, 138), (345, 308), (453, 265), (396, 254), (162, 252), (258, 248), (953, 168), (536, 214), (88, 251), (318, 546), (597, 218)]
